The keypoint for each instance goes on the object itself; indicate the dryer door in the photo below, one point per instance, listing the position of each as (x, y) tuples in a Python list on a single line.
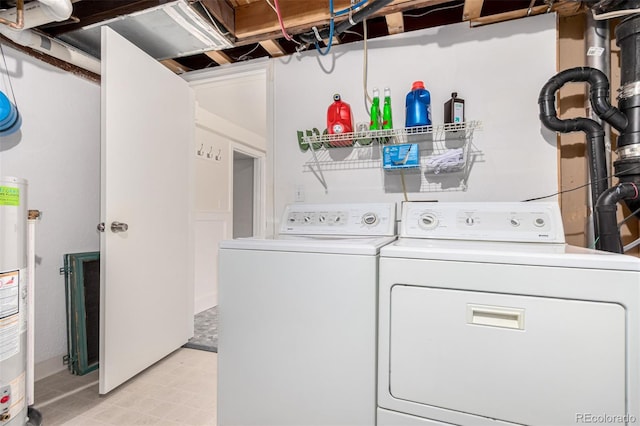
[(521, 359)]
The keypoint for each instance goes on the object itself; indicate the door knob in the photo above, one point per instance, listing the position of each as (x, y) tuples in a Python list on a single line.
[(100, 227), (119, 227)]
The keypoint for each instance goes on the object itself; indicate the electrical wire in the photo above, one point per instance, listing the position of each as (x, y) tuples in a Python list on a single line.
[(622, 222), (573, 189), (213, 21), (352, 32), (365, 70), (434, 10), (350, 8), (272, 6), (6, 68), (244, 55), (284, 31)]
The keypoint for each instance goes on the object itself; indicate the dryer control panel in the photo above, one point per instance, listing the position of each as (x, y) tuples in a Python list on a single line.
[(367, 219), (489, 221)]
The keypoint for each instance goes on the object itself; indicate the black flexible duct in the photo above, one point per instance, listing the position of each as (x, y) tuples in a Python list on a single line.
[(595, 134), (627, 165), (599, 96), (606, 208), (359, 16)]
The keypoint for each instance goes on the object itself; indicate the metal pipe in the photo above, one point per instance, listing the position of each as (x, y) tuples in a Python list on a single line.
[(19, 23), (37, 13)]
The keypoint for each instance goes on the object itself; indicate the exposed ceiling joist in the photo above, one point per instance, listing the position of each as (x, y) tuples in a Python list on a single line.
[(395, 23), (472, 9), (273, 48), (219, 57), (564, 8), (175, 66), (251, 22), (258, 19)]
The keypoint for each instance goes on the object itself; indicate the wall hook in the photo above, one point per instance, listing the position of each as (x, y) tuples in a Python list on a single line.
[(219, 155), (209, 154), (199, 152)]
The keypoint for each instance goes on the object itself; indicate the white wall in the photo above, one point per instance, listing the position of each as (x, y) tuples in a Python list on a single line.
[(498, 70), (58, 151)]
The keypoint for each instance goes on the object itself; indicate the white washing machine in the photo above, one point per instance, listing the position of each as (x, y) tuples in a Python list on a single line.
[(487, 317), (298, 317)]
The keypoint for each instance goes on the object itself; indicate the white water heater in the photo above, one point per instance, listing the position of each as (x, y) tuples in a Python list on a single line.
[(13, 298)]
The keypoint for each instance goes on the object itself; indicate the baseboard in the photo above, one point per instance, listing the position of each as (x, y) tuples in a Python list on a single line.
[(48, 367)]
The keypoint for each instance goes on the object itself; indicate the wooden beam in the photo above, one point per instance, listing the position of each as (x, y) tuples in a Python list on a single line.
[(562, 8), (219, 57), (395, 23), (472, 9), (572, 161), (273, 48), (175, 66), (257, 20), (223, 12)]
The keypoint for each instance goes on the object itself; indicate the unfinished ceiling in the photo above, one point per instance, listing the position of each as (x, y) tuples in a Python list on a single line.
[(249, 29)]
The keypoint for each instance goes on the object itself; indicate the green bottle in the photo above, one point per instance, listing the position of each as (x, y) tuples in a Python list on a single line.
[(374, 124), (387, 122)]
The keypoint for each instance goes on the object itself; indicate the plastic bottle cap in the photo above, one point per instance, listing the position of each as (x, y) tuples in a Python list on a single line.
[(376, 92), (454, 95), (387, 92), (336, 97), (417, 85)]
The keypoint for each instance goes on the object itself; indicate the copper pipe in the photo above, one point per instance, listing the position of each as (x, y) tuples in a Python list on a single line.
[(19, 24)]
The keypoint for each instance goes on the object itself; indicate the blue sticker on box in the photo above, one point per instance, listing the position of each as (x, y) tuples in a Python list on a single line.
[(400, 156)]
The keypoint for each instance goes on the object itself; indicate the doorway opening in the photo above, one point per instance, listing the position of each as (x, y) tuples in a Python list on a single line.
[(246, 195)]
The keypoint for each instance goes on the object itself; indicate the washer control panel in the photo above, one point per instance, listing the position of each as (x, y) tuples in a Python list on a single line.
[(489, 221), (339, 219)]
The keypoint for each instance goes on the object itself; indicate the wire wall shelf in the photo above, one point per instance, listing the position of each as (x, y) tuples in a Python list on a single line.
[(446, 153)]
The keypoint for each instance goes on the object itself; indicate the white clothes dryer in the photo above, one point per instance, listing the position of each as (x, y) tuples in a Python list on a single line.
[(488, 317), (298, 318)]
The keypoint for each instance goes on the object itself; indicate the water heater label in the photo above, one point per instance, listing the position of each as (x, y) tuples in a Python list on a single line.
[(9, 196), (9, 293), (10, 337)]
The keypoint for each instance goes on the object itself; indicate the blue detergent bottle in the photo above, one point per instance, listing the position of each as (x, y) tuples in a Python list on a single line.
[(418, 105)]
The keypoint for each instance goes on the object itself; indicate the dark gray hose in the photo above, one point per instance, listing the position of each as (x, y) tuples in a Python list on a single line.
[(606, 208)]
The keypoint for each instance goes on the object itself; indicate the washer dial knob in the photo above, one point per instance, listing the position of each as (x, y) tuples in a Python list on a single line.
[(369, 218), (428, 220)]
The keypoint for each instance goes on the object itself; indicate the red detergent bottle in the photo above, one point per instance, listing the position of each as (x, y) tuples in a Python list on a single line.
[(339, 120)]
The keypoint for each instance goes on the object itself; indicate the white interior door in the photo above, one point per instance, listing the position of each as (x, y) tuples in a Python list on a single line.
[(146, 297)]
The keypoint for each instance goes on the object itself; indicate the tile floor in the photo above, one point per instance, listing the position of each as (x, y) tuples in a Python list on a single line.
[(178, 390)]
